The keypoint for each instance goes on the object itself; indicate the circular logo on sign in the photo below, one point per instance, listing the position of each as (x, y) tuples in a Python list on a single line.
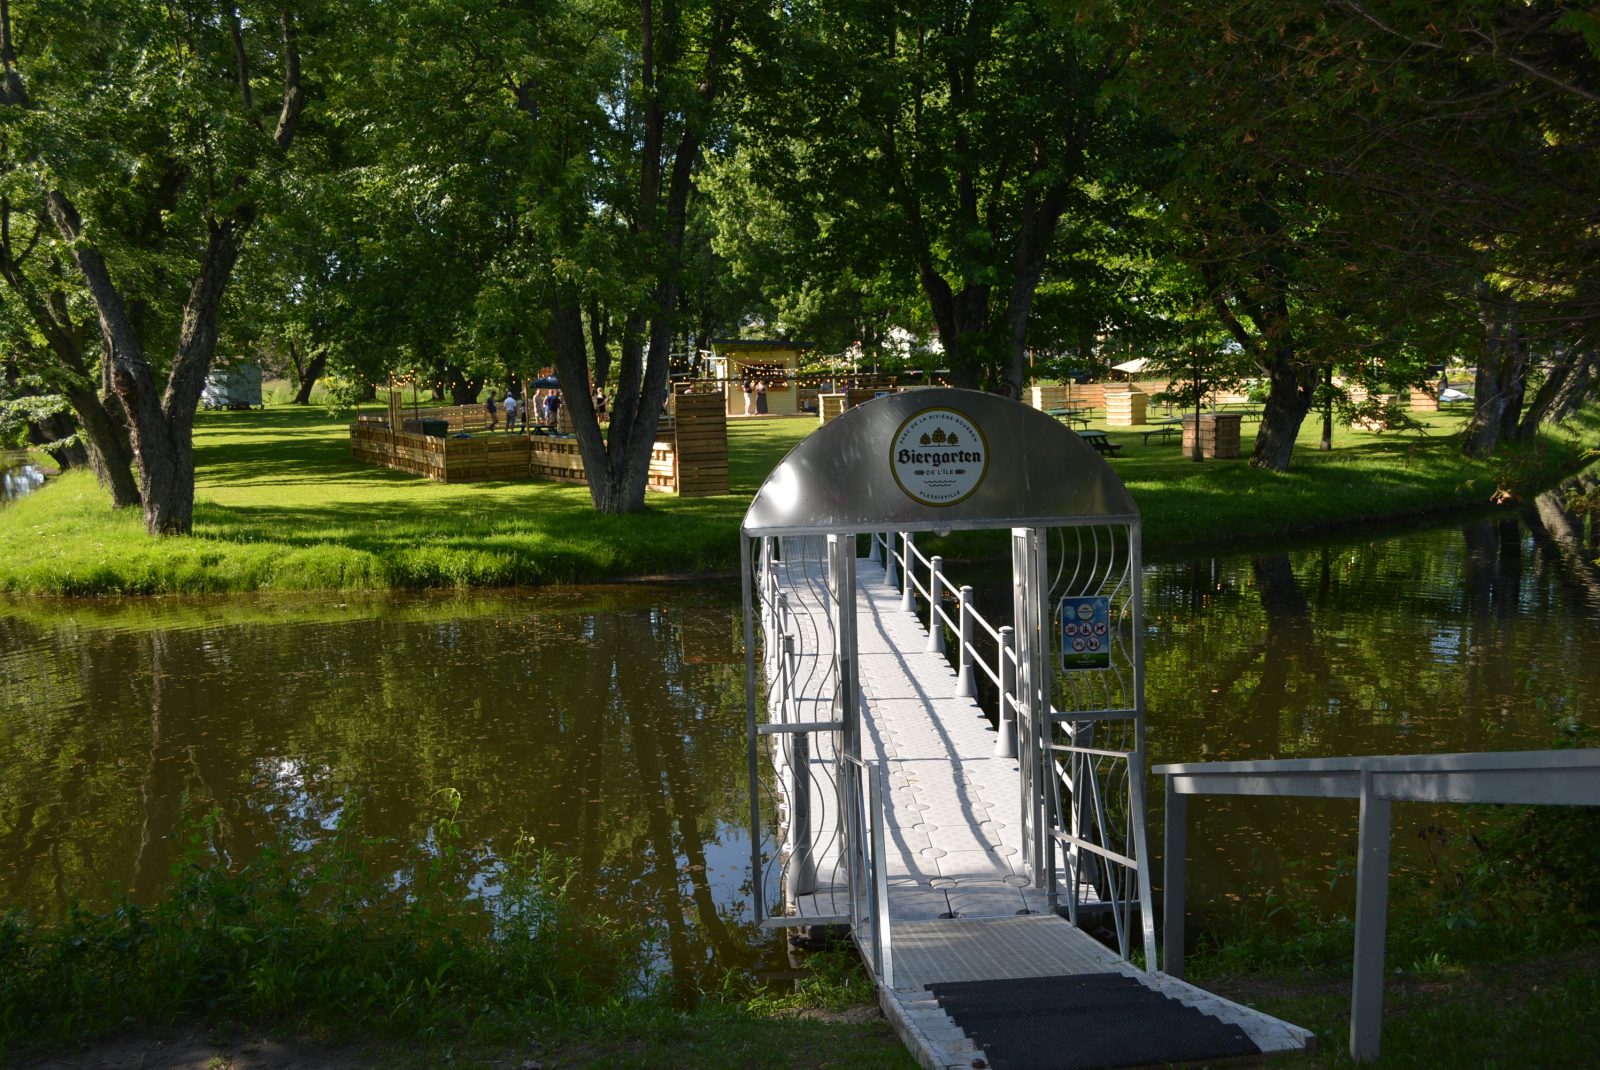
[(939, 457)]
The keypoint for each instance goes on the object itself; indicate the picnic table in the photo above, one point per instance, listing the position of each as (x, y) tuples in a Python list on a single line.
[(1162, 427), (1074, 414), (1099, 441)]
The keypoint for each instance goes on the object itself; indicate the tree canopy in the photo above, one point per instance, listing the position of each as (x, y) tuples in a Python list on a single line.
[(469, 191)]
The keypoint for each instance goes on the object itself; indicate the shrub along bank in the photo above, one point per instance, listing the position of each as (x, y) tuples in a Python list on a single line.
[(306, 941), (280, 505)]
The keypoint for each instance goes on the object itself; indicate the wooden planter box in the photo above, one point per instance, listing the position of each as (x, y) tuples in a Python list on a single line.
[(1218, 433), (1125, 408), (1047, 396)]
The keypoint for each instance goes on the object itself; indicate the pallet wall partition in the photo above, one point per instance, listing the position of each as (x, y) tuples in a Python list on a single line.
[(691, 459), (418, 454), (699, 450), (486, 457), (556, 459)]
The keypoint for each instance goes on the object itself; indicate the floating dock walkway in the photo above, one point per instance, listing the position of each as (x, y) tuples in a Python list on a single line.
[(979, 967), (965, 861)]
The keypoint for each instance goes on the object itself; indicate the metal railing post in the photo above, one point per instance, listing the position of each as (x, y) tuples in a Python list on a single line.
[(802, 860), (891, 575), (908, 598), (1006, 745), (1174, 867), (786, 676), (966, 686), (878, 789), (935, 629), (1372, 910)]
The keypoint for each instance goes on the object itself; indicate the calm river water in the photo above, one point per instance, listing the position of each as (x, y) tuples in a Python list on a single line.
[(606, 724)]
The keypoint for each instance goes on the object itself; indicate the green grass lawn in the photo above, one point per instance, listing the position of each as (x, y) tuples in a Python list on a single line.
[(281, 505)]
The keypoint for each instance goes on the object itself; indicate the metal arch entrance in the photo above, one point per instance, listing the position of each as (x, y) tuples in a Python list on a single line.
[(940, 461)]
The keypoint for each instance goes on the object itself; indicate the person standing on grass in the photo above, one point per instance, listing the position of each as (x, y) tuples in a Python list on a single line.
[(511, 411), (552, 408), (488, 407), (744, 385), (761, 397)]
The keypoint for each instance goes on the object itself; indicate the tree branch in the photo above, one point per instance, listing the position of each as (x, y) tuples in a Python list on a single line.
[(294, 97)]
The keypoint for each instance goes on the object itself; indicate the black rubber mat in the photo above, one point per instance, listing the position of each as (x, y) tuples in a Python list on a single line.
[(1091, 1021)]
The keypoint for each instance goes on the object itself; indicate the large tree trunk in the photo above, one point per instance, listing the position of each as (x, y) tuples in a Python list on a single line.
[(1291, 383), (161, 425), (1502, 372), (106, 447), (1569, 381), (618, 470), (308, 373), (1291, 387), (1040, 218), (109, 452)]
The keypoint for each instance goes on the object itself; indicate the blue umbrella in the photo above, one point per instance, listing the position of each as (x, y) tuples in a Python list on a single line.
[(545, 382)]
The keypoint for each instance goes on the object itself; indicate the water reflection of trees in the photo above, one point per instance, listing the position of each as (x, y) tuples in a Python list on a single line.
[(1453, 639), (584, 730)]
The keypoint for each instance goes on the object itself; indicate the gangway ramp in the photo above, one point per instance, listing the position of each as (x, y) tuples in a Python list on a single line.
[(980, 967), (882, 799)]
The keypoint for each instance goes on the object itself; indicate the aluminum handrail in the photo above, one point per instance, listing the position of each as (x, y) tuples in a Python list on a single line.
[(1538, 778), (901, 555)]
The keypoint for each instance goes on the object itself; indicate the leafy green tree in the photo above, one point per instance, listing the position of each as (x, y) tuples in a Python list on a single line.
[(969, 131), (151, 134), (1382, 187)]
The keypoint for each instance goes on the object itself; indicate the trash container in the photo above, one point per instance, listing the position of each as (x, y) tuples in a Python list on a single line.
[(431, 428)]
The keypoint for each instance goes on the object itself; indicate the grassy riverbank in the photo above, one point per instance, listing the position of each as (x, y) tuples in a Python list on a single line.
[(1498, 967), (307, 942), (281, 506)]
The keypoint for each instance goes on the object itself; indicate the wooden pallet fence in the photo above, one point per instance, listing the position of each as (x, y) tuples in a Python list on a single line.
[(691, 459), (555, 459), (699, 445)]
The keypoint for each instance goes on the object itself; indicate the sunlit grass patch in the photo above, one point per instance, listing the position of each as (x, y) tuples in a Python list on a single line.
[(280, 505)]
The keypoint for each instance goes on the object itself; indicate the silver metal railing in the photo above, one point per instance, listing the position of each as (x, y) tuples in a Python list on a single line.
[(1093, 804), (866, 784), (1556, 777), (901, 569)]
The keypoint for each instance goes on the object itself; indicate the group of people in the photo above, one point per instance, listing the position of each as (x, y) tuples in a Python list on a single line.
[(544, 407), (757, 390)]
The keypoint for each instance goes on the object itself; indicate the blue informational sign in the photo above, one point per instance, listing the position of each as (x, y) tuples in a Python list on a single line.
[(1085, 632)]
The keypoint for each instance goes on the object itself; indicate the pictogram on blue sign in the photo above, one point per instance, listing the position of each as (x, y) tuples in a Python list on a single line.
[(1085, 633)]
